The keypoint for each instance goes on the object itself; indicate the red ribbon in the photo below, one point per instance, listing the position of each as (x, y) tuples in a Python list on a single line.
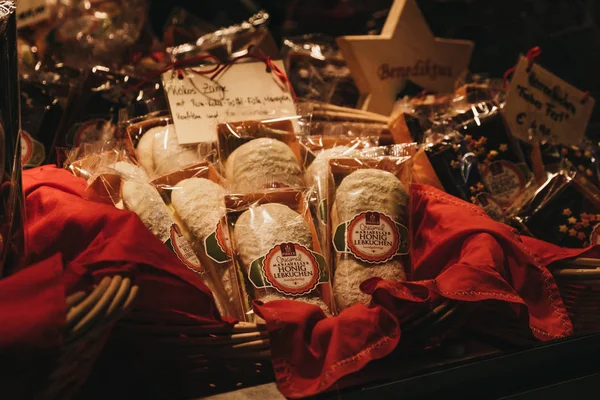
[(178, 66), (585, 97), (531, 55), (218, 69)]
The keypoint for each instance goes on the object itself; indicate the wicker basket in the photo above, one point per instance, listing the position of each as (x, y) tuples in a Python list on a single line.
[(90, 317), (191, 361), (579, 284)]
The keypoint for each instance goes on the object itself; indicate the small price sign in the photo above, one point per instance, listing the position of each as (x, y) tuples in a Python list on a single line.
[(540, 102)]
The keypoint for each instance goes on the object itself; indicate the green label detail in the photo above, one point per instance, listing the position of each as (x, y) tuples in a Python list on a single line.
[(323, 210), (214, 251)]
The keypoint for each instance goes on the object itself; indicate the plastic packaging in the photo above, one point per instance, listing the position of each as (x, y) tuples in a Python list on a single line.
[(153, 143), (424, 105), (196, 196), (276, 249), (93, 108), (128, 186), (481, 140), (95, 32), (182, 27), (233, 41), (258, 155), (565, 211), (12, 236), (41, 114), (315, 152), (368, 221), (478, 89), (317, 70)]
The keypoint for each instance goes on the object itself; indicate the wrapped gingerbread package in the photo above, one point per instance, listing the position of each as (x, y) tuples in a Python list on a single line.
[(197, 198), (152, 142), (368, 221), (334, 140), (118, 180), (276, 249), (257, 155)]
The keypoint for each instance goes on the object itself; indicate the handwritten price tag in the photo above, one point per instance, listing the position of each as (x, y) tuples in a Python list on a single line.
[(549, 106), (243, 91)]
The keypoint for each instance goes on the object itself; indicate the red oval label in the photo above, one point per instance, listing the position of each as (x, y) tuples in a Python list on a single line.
[(373, 237), (291, 269)]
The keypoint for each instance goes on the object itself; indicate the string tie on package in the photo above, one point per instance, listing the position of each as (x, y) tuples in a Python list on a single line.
[(531, 55), (217, 68)]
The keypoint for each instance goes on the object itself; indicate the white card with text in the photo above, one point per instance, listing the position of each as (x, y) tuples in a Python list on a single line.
[(30, 12), (550, 107), (242, 91)]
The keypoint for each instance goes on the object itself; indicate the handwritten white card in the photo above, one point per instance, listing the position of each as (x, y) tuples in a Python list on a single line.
[(243, 91), (550, 107), (30, 12)]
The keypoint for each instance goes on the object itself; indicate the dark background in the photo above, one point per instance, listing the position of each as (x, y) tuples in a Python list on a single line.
[(566, 30)]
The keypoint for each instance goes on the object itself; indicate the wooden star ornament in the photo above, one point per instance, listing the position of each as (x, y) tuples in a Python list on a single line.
[(405, 50)]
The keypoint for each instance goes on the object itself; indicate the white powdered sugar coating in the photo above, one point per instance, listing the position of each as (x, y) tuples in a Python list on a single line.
[(305, 299), (144, 151), (317, 173), (260, 228), (143, 199), (367, 190), (350, 273), (371, 190), (262, 162), (129, 171), (200, 204), (168, 154)]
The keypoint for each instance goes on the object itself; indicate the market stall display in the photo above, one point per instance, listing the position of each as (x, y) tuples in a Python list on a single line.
[(288, 214)]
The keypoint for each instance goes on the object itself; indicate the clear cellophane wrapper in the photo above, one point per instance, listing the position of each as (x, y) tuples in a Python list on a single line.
[(152, 141), (97, 32), (276, 249), (424, 105), (196, 196), (368, 221), (182, 27), (114, 178), (317, 70), (230, 42), (475, 89), (564, 210), (334, 140), (92, 110), (12, 236), (257, 155)]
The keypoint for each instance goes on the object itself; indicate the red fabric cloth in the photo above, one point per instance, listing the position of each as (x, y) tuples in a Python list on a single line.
[(459, 253), (96, 240), (311, 352), (72, 243)]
